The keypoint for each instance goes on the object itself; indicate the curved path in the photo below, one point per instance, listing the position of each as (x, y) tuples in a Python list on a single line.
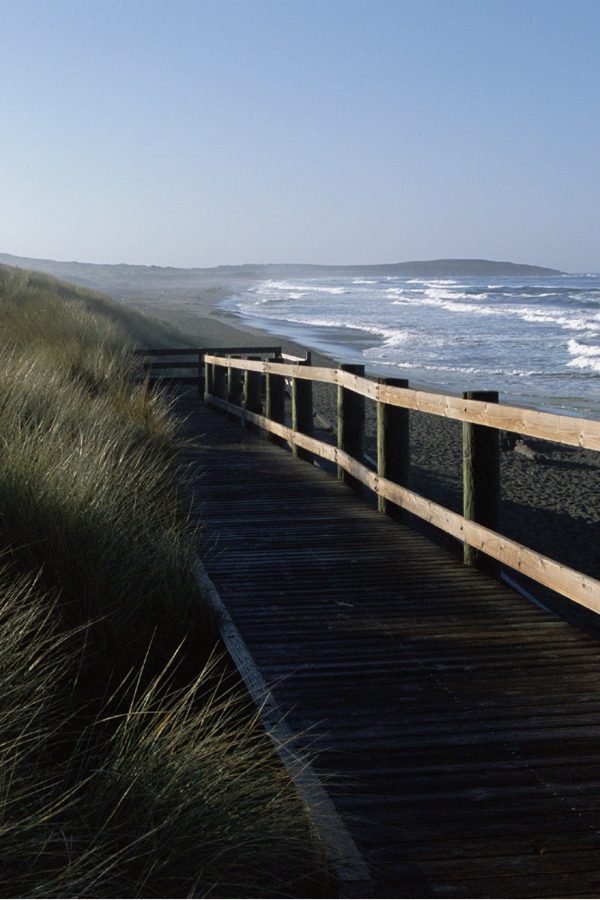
[(458, 726)]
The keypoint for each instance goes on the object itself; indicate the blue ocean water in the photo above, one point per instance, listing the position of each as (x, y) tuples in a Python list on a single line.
[(536, 340)]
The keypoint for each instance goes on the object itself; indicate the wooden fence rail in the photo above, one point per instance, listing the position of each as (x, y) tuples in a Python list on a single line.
[(563, 429), (160, 361), (483, 418)]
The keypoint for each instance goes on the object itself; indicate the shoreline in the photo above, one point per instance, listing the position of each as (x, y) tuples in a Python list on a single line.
[(197, 315), (352, 345), (550, 503)]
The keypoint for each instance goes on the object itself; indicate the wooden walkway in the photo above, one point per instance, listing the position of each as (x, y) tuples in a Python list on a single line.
[(458, 725)]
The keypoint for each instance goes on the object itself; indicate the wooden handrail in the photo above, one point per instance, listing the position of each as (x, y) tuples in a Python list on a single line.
[(486, 542), (580, 588), (563, 429), (158, 361)]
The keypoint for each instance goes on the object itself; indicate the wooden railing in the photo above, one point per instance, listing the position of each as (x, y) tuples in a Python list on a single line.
[(234, 385), (160, 363)]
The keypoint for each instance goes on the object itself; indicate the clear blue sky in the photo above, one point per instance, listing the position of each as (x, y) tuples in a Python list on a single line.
[(199, 133)]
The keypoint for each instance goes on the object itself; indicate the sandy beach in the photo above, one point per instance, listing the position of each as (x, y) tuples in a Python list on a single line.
[(550, 499)]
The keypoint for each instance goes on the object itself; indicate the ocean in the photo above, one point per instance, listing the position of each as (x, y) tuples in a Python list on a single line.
[(535, 340)]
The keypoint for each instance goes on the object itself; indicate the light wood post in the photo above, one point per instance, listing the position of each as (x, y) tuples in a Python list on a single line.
[(481, 480), (252, 400), (275, 400), (393, 446), (302, 410), (351, 423)]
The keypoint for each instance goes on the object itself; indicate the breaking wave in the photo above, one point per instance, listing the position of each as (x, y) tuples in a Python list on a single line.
[(535, 337), (585, 356)]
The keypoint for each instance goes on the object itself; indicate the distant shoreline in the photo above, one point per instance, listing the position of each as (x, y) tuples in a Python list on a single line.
[(191, 300), (202, 320), (95, 273)]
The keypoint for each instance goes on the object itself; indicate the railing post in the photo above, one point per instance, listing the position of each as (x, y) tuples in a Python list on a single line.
[(481, 480), (234, 386), (201, 375), (275, 400), (302, 410), (209, 371), (351, 423), (219, 379), (393, 446), (252, 400)]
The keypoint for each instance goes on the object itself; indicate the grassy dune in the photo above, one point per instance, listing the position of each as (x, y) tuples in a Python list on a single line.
[(129, 766)]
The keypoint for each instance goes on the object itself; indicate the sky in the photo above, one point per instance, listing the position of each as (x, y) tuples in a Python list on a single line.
[(208, 132)]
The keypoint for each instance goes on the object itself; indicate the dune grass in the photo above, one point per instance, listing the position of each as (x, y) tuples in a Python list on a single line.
[(87, 493), (129, 765)]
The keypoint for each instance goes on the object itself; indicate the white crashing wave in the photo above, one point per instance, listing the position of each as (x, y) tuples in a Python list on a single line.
[(467, 370), (585, 356), (391, 336), (288, 288), (513, 335), (590, 363), (461, 303), (571, 323), (576, 348)]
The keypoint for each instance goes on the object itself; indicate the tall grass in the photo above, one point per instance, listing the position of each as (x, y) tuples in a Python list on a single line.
[(123, 772), (87, 493)]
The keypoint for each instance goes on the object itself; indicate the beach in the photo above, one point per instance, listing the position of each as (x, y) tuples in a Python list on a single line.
[(550, 492)]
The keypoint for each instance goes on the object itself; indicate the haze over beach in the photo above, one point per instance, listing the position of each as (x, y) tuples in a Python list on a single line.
[(527, 331), (220, 142)]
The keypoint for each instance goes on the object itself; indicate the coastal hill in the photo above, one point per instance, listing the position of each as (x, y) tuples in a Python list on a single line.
[(121, 279), (429, 268)]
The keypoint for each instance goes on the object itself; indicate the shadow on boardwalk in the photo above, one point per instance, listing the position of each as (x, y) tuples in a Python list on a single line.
[(457, 725)]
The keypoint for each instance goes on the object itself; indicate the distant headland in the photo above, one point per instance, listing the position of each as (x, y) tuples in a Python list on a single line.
[(112, 278), (429, 268)]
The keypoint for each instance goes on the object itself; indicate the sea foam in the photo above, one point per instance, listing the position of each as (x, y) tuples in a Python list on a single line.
[(585, 356), (536, 337)]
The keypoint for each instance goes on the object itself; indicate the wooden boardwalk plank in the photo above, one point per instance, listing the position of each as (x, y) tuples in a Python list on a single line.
[(458, 726)]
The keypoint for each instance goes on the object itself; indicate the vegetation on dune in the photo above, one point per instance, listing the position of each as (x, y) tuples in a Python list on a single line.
[(87, 495), (130, 767)]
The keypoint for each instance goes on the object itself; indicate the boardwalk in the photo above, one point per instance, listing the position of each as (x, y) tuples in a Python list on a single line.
[(458, 725)]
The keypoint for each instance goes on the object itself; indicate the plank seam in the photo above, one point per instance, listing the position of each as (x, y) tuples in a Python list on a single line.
[(343, 855)]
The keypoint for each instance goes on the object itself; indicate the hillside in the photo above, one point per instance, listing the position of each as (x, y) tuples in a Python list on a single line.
[(119, 280), (431, 268)]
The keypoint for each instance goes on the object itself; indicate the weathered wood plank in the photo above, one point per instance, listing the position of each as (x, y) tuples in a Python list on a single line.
[(351, 871)]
